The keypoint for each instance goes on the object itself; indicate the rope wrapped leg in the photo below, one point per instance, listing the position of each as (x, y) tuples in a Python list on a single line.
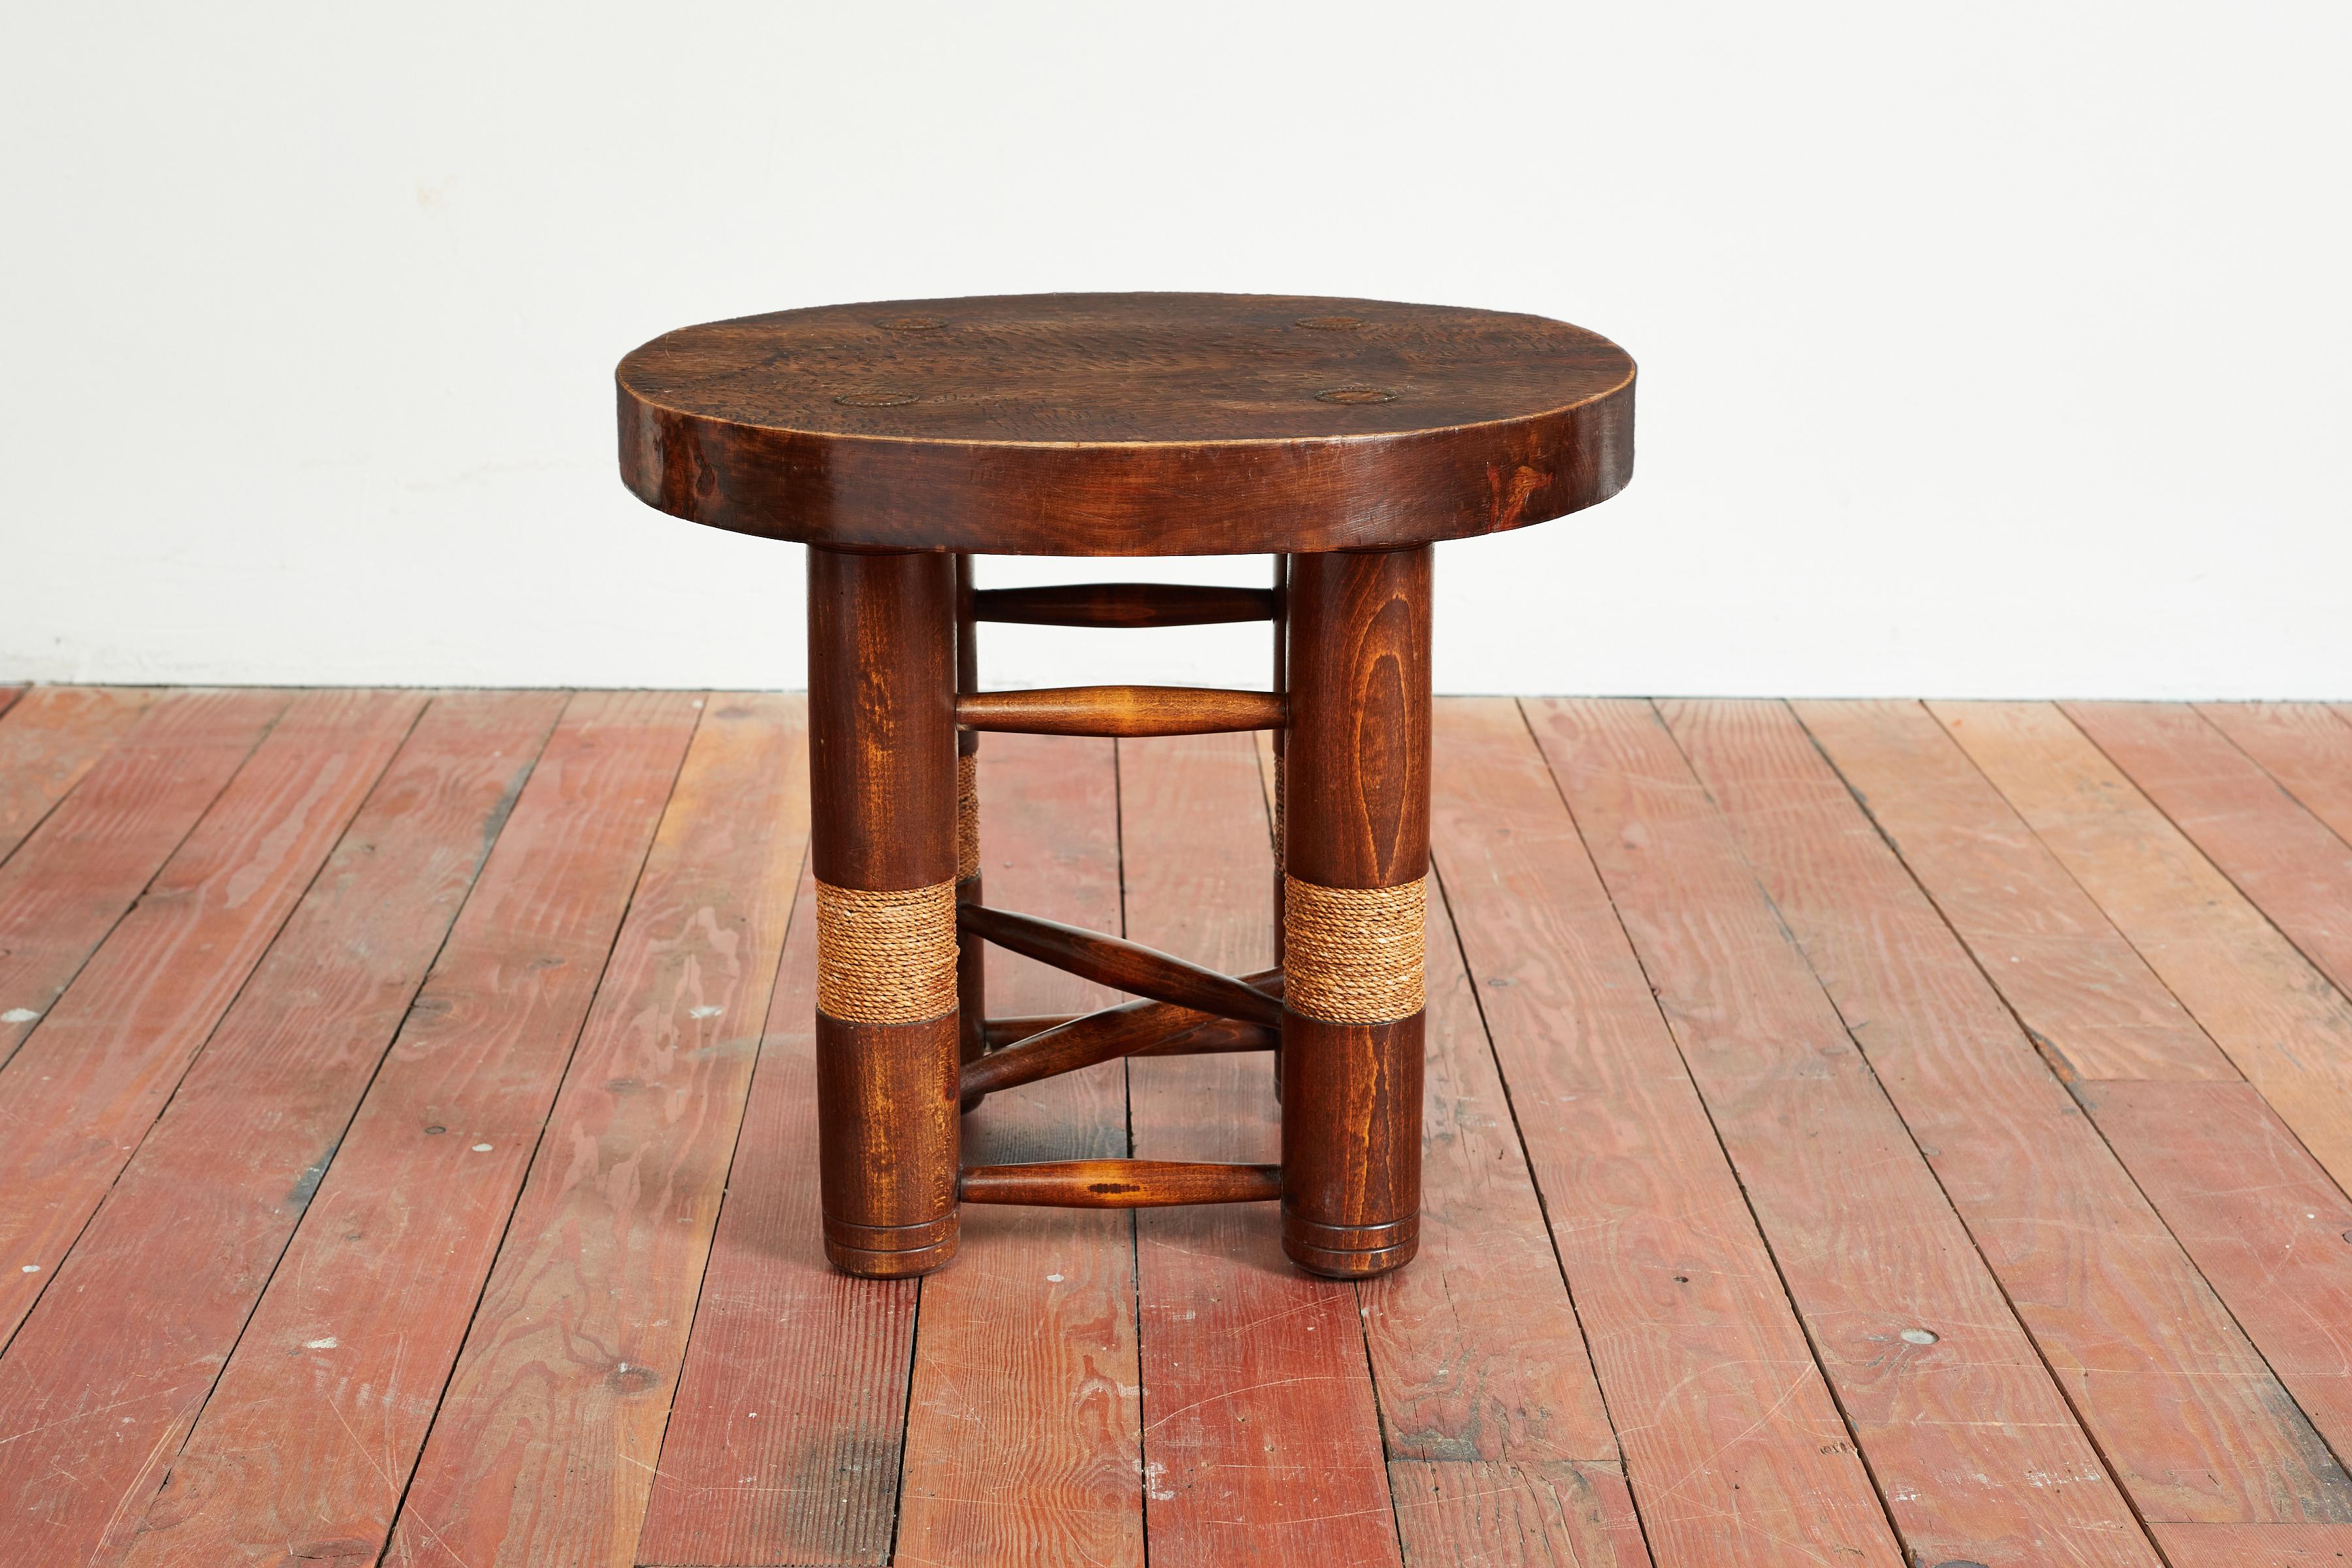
[(882, 776), (1355, 856)]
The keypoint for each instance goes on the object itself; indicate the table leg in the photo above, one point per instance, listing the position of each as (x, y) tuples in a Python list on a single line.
[(1355, 856), (971, 966), (882, 766)]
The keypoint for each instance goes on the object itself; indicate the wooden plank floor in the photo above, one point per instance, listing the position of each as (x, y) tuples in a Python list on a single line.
[(1856, 1133)]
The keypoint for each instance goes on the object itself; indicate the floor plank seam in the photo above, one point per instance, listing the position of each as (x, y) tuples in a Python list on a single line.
[(261, 952), (425, 976), (400, 1508), (2068, 1079), (1992, 1273), (1779, 1272), (1535, 1183)]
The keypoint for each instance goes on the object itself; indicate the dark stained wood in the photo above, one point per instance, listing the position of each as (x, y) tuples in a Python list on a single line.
[(90, 1081), (2264, 1225), (1120, 1184), (1133, 1029), (1270, 748), (107, 1374), (1125, 424), (52, 738), (2262, 1003), (1125, 604), (971, 953), (306, 1441), (882, 770), (1356, 754), (1736, 1453), (882, 767), (79, 870), (2088, 998), (1122, 710), (1127, 965), (1242, 1036), (1868, 1246), (544, 1445), (2192, 1422), (1024, 1446), (1356, 804), (785, 1434), (2281, 856), (2306, 746), (1260, 1437), (1013, 1028)]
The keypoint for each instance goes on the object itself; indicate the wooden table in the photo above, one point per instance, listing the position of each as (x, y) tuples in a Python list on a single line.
[(1342, 436)]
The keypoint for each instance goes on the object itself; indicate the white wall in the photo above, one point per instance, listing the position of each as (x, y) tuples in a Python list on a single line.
[(1996, 349)]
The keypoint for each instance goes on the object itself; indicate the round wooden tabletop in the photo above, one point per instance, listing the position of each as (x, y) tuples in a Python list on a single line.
[(1127, 424)]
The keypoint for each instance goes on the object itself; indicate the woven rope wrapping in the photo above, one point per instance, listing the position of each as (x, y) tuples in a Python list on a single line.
[(885, 958), (1352, 955), (967, 818)]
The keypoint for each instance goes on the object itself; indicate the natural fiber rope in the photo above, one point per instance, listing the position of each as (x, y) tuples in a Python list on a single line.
[(885, 958), (1352, 955), (967, 816)]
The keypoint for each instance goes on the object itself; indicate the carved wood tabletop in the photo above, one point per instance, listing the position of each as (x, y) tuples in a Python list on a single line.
[(1127, 424)]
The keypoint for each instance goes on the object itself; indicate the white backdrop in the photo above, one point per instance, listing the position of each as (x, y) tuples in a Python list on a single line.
[(1987, 350)]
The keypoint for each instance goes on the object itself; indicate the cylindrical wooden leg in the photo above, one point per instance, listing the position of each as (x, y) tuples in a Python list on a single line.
[(1355, 855), (882, 774), (971, 965), (1281, 684)]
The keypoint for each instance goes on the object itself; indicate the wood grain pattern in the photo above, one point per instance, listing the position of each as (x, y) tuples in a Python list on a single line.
[(1122, 710), (2279, 856), (1499, 1445), (2256, 1545), (1974, 1449), (1128, 965), (89, 1082), (2264, 1223), (1023, 1430), (1124, 604), (2306, 746), (1500, 1513), (784, 1436), (1131, 1028), (104, 1379), (2259, 999), (1125, 424), (52, 737), (2090, 1001), (1355, 815), (1120, 1184), (310, 1436), (2192, 1422), (1736, 1453), (1261, 1439), (543, 1448), (77, 873), (883, 794)]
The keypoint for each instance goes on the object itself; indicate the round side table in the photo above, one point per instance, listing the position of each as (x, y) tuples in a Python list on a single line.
[(1341, 437)]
